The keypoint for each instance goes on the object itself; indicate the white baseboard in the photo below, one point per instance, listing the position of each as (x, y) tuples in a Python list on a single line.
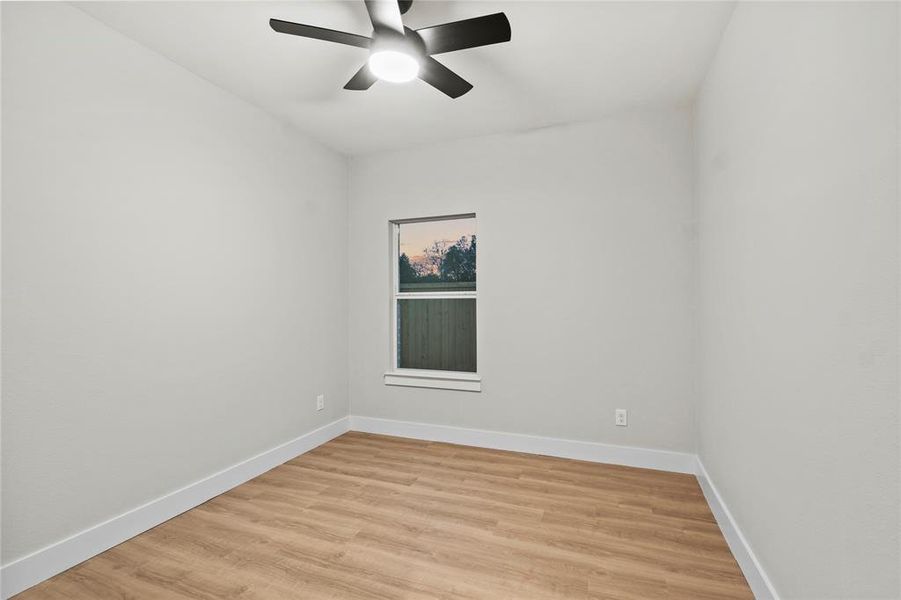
[(56, 558), (757, 578), (664, 460)]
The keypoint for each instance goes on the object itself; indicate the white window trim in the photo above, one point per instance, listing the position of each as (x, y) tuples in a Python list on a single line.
[(443, 380), (446, 380)]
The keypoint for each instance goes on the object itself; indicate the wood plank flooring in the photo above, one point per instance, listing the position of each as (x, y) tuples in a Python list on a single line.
[(368, 516)]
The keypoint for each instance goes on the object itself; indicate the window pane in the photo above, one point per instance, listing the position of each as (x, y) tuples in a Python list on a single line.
[(437, 256), (437, 334)]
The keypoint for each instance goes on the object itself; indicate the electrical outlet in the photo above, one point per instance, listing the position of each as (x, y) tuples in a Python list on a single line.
[(622, 417), (320, 401)]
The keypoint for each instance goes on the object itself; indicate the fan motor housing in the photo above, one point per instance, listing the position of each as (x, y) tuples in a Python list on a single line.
[(410, 43)]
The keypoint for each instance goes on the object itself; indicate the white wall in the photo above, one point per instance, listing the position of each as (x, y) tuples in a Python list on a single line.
[(797, 130), (174, 279), (585, 276)]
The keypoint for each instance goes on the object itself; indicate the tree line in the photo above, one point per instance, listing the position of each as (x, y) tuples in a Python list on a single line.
[(442, 262)]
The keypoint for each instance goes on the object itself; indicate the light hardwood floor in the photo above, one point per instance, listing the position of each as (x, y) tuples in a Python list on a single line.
[(367, 516)]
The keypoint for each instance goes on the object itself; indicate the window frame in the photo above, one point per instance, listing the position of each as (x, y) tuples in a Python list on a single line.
[(425, 378)]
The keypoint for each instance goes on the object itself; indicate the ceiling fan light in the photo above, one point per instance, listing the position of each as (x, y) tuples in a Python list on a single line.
[(393, 66)]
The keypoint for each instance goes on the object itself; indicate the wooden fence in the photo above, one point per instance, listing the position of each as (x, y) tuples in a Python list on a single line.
[(439, 286), (437, 334)]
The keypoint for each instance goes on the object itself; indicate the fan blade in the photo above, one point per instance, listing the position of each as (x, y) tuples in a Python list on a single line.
[(443, 79), (363, 79), (469, 33), (319, 33), (385, 15)]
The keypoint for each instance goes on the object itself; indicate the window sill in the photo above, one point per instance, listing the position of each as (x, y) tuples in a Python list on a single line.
[(443, 380)]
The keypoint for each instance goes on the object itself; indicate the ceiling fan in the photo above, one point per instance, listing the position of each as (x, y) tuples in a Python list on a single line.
[(399, 54)]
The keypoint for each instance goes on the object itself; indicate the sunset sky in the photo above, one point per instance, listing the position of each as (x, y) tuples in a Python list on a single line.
[(416, 236)]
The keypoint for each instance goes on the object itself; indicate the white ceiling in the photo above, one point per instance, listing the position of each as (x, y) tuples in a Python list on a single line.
[(567, 61)]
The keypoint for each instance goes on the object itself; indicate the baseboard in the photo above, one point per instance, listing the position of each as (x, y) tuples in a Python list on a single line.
[(56, 558), (664, 460), (753, 571)]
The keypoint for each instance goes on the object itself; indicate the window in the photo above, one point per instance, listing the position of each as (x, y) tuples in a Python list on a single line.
[(434, 335)]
